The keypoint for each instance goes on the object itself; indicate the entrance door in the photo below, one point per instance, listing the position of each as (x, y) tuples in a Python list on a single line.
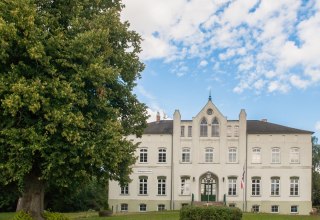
[(208, 189)]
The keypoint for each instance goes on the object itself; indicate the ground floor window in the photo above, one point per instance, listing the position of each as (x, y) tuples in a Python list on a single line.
[(161, 207), (143, 207), (274, 208), (294, 209), (124, 207), (232, 205), (255, 208), (184, 204)]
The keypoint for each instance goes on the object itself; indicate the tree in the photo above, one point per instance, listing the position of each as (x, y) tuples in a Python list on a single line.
[(315, 171), (67, 71)]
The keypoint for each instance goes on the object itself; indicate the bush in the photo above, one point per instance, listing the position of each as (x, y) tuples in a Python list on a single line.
[(54, 216), (21, 215), (210, 213)]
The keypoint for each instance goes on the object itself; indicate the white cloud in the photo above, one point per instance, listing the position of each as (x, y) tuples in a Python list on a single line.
[(153, 115), (317, 126), (276, 41)]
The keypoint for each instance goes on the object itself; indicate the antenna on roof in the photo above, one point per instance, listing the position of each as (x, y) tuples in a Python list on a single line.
[(210, 95)]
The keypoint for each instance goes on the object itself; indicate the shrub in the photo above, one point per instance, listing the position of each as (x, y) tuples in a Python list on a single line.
[(210, 213), (54, 216), (21, 215)]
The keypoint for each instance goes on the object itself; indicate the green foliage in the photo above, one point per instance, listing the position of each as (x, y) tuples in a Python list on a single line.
[(67, 71), (91, 195), (8, 198), (54, 216), (21, 215), (210, 213), (315, 172)]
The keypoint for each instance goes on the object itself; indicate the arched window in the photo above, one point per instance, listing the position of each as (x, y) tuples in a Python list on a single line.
[(215, 131), (203, 128)]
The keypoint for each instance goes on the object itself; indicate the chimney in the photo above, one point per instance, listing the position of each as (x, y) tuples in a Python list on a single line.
[(158, 117), (264, 120)]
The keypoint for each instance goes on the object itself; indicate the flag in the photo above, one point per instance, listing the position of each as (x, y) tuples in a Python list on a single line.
[(242, 179)]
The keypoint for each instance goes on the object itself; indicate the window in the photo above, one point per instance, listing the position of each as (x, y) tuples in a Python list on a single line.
[(162, 155), (275, 186), (186, 155), (232, 205), (124, 207), (182, 131), (189, 131), (185, 185), (161, 185), (209, 155), (294, 209), (275, 155), (232, 186), (143, 207), (161, 207), (236, 131), (294, 186), (229, 131), (232, 155), (143, 185), (256, 155), (274, 208), (215, 130), (203, 128), (124, 190), (255, 208), (294, 155), (143, 155), (256, 181)]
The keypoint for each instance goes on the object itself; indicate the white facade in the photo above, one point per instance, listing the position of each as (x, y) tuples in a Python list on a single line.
[(206, 159)]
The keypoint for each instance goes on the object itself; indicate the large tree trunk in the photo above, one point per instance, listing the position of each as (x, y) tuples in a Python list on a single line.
[(32, 200)]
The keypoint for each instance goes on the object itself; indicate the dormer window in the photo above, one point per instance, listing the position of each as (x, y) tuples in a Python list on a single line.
[(215, 131), (204, 128)]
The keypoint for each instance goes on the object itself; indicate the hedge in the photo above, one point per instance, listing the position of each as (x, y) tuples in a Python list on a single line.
[(210, 213)]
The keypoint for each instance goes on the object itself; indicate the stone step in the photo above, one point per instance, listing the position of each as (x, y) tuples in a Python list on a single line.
[(198, 203)]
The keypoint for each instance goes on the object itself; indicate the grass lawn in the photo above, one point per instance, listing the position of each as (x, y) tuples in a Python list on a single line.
[(174, 215)]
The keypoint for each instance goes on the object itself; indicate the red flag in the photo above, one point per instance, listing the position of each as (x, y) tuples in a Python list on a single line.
[(242, 179)]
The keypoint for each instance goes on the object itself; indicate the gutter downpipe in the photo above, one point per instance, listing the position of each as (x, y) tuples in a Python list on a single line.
[(171, 191)]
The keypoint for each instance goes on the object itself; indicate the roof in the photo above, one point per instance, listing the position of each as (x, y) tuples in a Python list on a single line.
[(253, 127), (261, 127)]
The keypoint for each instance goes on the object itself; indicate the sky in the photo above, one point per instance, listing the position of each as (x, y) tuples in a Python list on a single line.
[(259, 55)]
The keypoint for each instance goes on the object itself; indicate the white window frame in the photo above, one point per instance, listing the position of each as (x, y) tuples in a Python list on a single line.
[(275, 208), (204, 128), (294, 186), (232, 186), (161, 207), (142, 207), (208, 157), (236, 130), (276, 155), (143, 158), (186, 155), (182, 131), (275, 186), (143, 185), (255, 208), (295, 155), (124, 190), (189, 131), (162, 155), (124, 207), (297, 209), (256, 155), (256, 186), (229, 131), (185, 185), (215, 128), (232, 155), (161, 186)]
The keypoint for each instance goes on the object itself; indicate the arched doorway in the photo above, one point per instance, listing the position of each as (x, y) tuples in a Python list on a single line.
[(209, 187)]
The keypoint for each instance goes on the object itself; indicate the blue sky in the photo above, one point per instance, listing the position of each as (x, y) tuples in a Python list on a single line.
[(259, 55)]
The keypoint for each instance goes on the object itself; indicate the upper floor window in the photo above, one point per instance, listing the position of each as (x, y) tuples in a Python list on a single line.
[(275, 186), (203, 128), (185, 155), (232, 157), (189, 131), (294, 155), (143, 155), (256, 155), (209, 155), (162, 157), (294, 186), (124, 190), (229, 131), (185, 185), (275, 155), (256, 181), (161, 185), (182, 131), (236, 131), (215, 131)]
